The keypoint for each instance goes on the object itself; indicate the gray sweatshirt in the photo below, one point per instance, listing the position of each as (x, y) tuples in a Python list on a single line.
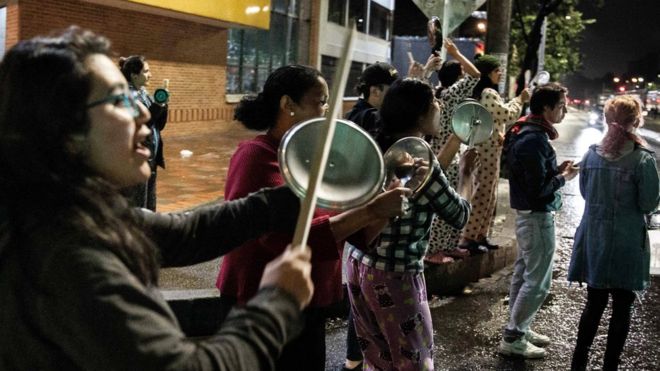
[(68, 303)]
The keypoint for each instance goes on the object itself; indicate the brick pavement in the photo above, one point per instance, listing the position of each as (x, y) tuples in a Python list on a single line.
[(200, 178)]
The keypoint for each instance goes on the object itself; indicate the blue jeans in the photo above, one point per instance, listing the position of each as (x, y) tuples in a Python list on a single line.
[(532, 271)]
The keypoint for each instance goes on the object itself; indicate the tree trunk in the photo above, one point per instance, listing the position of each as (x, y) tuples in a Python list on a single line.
[(530, 61)]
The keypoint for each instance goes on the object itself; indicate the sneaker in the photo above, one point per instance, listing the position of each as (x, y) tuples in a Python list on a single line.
[(521, 348), (537, 339)]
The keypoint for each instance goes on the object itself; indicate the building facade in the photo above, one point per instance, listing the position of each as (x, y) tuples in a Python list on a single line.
[(212, 63)]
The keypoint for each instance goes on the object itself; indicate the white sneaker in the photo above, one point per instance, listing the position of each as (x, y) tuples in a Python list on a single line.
[(522, 348), (537, 339)]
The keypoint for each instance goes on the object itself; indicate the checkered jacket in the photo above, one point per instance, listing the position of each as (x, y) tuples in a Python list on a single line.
[(402, 245)]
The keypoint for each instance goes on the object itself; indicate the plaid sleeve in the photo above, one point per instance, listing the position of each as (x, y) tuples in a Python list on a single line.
[(444, 200)]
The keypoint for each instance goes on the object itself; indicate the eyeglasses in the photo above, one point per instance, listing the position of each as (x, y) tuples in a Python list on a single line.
[(127, 100)]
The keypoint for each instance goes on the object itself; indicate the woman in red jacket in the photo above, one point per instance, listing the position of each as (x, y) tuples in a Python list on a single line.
[(291, 94)]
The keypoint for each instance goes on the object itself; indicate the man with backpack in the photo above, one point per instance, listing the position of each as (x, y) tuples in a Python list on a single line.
[(534, 183)]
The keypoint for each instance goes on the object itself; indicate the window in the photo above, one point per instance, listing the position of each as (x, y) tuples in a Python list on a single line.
[(380, 19), (337, 12), (357, 9), (3, 28), (378, 23), (253, 54), (328, 68)]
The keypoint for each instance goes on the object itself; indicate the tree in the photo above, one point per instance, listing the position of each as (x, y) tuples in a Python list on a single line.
[(563, 35)]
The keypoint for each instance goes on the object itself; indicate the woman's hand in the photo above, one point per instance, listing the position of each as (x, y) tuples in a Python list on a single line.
[(389, 204), (525, 95), (469, 162), (500, 139), (451, 47), (468, 165), (416, 70), (432, 64), (291, 272)]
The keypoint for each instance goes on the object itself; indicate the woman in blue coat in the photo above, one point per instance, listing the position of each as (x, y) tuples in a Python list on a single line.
[(619, 182)]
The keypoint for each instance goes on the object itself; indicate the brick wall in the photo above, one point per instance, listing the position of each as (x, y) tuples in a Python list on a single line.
[(12, 29), (191, 55)]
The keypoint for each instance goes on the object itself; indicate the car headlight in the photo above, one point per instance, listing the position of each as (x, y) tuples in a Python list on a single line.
[(593, 116)]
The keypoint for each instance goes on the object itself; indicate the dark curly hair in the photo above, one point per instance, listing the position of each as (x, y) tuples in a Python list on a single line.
[(404, 104), (45, 85), (259, 112)]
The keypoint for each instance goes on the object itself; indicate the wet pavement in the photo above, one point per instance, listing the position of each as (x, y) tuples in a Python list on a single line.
[(466, 327)]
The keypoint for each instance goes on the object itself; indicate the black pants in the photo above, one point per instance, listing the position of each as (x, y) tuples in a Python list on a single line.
[(307, 351), (353, 351), (597, 299)]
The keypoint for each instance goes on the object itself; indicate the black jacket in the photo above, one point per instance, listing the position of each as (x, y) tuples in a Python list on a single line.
[(366, 116), (534, 179)]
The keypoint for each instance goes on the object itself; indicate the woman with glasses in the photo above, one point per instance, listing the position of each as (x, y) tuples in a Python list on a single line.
[(291, 95), (475, 234), (78, 266), (136, 71), (611, 252)]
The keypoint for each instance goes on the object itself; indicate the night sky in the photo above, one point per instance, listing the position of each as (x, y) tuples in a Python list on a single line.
[(625, 30)]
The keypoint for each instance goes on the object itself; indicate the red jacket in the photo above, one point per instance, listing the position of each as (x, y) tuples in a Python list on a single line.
[(254, 166)]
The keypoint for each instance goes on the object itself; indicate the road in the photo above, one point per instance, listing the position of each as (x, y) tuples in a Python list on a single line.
[(467, 328)]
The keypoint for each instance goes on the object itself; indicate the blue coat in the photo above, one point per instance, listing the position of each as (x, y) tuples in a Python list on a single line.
[(611, 247)]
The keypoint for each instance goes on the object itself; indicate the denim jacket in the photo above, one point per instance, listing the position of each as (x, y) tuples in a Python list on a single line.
[(611, 246), (534, 179)]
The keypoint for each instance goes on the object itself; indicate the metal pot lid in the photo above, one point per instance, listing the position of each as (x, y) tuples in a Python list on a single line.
[(471, 122), (354, 172), (409, 162)]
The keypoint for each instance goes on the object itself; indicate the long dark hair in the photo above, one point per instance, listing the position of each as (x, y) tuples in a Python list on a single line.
[(405, 102), (45, 181), (132, 65), (259, 112)]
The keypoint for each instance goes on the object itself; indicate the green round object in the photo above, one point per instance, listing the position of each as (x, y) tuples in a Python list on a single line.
[(161, 96)]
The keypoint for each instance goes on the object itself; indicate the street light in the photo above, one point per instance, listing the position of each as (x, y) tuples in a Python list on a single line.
[(481, 26), (616, 79), (640, 79), (634, 79)]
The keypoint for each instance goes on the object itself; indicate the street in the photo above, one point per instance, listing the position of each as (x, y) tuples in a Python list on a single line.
[(467, 328)]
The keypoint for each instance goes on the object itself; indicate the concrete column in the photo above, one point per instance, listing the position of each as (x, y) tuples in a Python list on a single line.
[(497, 35)]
